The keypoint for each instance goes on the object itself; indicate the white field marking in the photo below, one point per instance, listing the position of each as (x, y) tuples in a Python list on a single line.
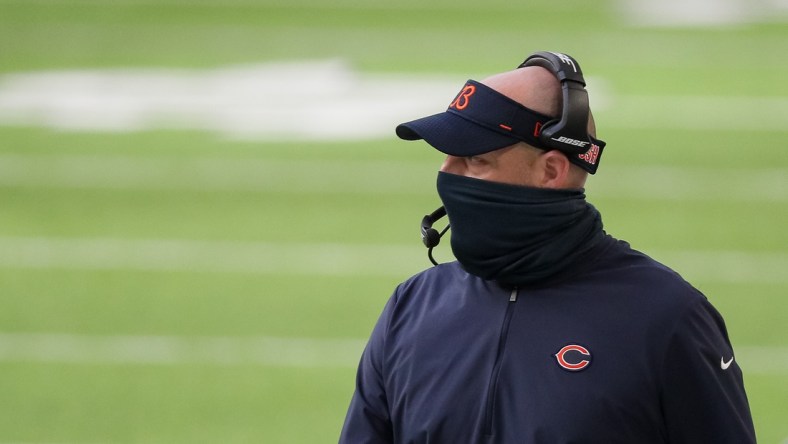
[(304, 4), (692, 13), (695, 12), (233, 351), (363, 177), (322, 259), (214, 173), (727, 266), (311, 5), (323, 100), (682, 13), (764, 360), (222, 257), (693, 113), (690, 183), (172, 350)]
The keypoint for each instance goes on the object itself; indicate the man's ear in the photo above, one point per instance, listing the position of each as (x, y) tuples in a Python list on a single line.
[(555, 169)]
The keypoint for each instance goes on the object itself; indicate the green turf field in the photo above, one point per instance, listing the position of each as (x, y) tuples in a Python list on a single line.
[(177, 286)]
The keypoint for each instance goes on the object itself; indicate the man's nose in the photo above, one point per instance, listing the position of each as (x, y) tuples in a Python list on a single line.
[(453, 165)]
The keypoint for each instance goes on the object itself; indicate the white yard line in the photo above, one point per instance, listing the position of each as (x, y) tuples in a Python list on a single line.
[(697, 13), (233, 351), (310, 100), (362, 177), (212, 173), (198, 256), (314, 100), (172, 350), (162, 255), (694, 113), (690, 183), (764, 360)]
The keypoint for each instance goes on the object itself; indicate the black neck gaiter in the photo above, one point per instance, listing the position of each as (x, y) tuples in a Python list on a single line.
[(517, 235)]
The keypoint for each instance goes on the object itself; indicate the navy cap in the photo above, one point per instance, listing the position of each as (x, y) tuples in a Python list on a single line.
[(480, 120), (477, 121)]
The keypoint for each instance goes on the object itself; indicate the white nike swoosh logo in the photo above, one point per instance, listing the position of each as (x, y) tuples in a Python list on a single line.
[(724, 365)]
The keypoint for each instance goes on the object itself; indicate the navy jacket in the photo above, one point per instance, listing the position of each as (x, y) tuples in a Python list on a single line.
[(618, 349)]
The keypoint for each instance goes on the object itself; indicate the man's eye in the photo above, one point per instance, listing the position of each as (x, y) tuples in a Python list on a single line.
[(475, 160)]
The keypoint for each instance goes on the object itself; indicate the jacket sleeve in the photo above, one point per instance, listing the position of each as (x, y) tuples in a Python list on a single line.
[(703, 389), (367, 419)]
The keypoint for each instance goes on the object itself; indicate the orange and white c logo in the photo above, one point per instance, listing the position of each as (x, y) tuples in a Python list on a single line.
[(570, 362), (461, 101)]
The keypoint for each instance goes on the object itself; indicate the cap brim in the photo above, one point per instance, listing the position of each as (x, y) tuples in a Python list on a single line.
[(454, 135)]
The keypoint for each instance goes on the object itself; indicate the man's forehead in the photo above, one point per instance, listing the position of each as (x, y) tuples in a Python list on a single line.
[(532, 86)]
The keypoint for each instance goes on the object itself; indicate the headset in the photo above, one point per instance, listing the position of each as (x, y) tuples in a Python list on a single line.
[(569, 134), (430, 236)]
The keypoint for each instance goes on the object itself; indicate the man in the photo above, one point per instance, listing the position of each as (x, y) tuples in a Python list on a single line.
[(546, 329)]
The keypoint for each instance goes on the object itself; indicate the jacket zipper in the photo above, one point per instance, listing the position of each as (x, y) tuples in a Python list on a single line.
[(496, 370)]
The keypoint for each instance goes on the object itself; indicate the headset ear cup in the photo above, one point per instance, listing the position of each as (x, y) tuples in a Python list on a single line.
[(431, 237)]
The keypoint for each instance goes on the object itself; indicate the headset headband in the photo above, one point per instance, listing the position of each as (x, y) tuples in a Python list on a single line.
[(568, 134)]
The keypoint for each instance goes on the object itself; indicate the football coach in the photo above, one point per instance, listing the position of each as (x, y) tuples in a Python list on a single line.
[(546, 329)]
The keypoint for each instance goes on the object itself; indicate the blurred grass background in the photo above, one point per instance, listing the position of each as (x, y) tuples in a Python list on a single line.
[(709, 198)]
